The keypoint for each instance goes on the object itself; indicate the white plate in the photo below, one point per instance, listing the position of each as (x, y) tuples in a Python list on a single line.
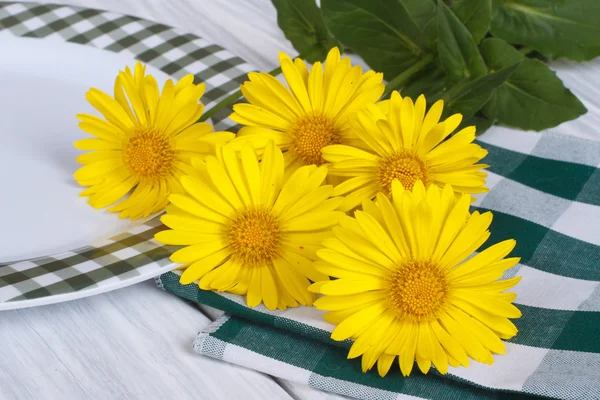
[(43, 86), (54, 246)]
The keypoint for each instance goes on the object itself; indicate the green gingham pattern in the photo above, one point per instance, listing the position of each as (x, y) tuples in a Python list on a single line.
[(280, 353), (133, 253), (545, 193)]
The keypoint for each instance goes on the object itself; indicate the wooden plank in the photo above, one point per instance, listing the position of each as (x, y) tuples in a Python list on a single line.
[(133, 343)]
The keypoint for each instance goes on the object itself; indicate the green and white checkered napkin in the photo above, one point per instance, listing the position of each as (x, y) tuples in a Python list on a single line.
[(545, 193)]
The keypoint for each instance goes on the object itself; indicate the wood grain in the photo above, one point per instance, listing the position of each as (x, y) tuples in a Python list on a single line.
[(133, 343)]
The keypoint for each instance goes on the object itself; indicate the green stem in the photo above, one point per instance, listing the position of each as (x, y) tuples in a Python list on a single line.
[(399, 81), (525, 50), (229, 100)]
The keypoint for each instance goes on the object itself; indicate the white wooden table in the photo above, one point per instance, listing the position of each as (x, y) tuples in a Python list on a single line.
[(136, 343)]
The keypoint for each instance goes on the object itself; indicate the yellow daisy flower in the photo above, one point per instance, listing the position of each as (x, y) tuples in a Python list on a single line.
[(401, 141), (247, 230), (312, 113), (144, 143), (408, 286)]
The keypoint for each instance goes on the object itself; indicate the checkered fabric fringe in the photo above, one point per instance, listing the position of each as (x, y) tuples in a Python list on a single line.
[(132, 253), (545, 193)]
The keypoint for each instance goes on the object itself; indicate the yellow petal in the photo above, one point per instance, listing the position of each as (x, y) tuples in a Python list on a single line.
[(353, 265), (483, 334), (345, 286), (452, 226), (110, 108), (295, 284), (203, 266), (425, 349), (249, 114), (370, 337), (331, 62), (104, 199), (472, 346), (295, 81), (363, 248), (407, 353), (309, 202), (96, 144), (440, 358), (292, 189), (309, 221), (450, 344), (279, 90), (98, 169), (424, 364), (407, 121), (234, 170), (198, 251), (378, 236), (338, 152), (224, 278), (271, 174), (393, 225), (254, 295), (257, 92), (432, 118), (100, 128), (252, 173), (302, 69), (206, 195), (488, 275), (315, 86), (191, 206), (188, 222), (183, 238), (347, 88), (134, 96), (302, 265), (488, 256), (472, 235), (353, 300), (269, 288), (354, 323), (384, 364), (221, 181)]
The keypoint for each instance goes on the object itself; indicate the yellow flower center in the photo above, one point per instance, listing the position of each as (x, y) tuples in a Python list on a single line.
[(254, 235), (148, 154), (418, 289), (310, 134), (408, 168)]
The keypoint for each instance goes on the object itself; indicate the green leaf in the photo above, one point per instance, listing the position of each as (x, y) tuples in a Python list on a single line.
[(556, 28), (421, 11), (429, 82), (481, 123), (382, 32), (498, 54), (469, 96), (476, 15), (533, 97), (426, 20), (457, 50), (302, 24)]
